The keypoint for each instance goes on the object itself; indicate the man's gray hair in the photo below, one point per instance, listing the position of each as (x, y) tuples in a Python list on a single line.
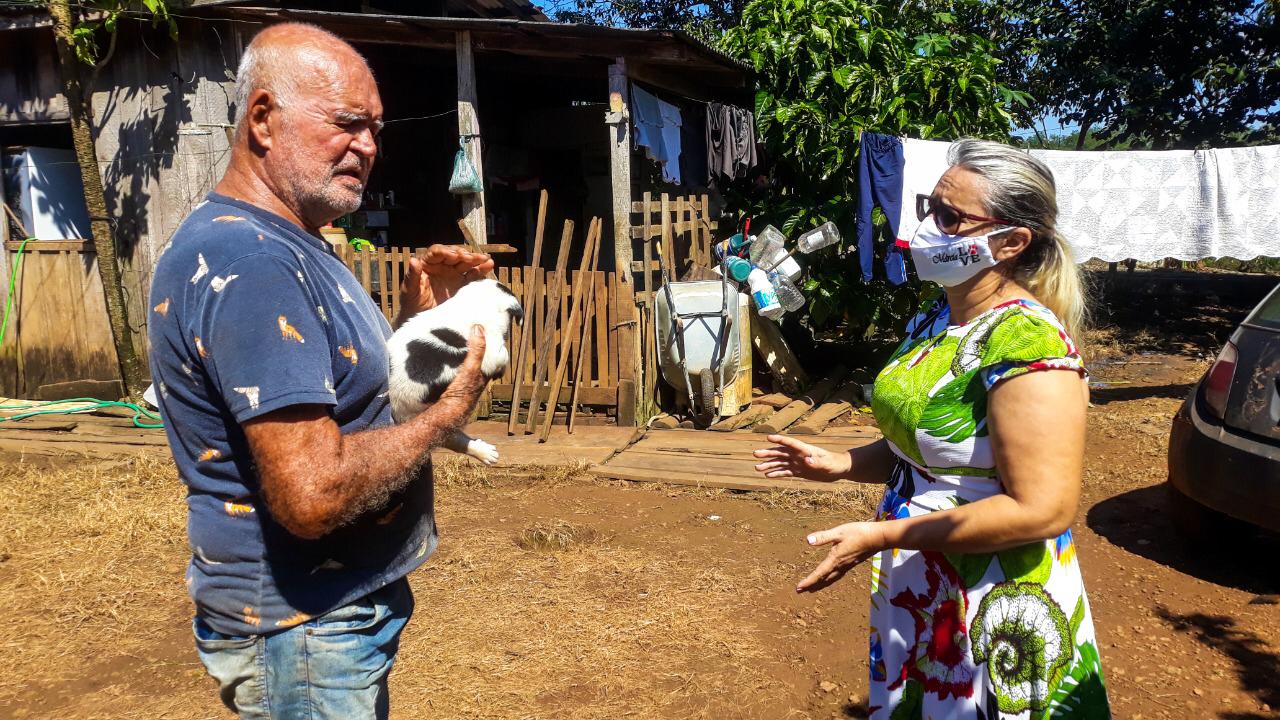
[(275, 67)]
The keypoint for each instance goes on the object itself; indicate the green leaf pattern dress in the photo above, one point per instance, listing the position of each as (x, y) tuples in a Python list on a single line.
[(994, 635)]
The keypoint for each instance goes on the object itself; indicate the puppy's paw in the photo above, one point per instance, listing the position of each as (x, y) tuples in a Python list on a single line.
[(482, 451)]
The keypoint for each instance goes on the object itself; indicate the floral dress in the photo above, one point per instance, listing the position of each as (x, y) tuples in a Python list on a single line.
[(989, 635)]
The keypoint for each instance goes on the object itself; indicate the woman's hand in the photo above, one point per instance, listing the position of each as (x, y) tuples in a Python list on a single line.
[(792, 458), (853, 543)]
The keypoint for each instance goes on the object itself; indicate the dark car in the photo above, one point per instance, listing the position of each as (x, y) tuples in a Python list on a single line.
[(1224, 451)]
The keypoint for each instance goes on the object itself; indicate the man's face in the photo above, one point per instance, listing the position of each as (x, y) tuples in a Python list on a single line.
[(327, 145)]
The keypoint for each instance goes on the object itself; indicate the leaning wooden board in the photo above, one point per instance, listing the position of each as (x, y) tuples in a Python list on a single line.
[(716, 460)]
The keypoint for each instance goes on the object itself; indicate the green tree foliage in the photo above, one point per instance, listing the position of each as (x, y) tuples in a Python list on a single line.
[(105, 15), (705, 19), (1160, 74), (829, 70)]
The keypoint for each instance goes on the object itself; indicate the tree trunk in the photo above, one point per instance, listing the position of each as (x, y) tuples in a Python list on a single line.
[(80, 107)]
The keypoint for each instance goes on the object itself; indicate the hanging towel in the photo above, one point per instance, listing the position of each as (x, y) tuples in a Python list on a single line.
[(1184, 204), (1142, 204), (731, 141), (671, 122), (647, 115), (923, 162), (880, 170)]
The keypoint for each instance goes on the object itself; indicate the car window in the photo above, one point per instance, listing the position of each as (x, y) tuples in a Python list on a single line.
[(1268, 313)]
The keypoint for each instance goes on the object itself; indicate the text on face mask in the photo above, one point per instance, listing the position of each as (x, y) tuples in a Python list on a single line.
[(963, 255)]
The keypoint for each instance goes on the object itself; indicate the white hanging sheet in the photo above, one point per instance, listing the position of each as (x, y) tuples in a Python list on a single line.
[(1147, 205)]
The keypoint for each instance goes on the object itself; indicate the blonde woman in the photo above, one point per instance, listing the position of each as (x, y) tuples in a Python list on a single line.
[(978, 606)]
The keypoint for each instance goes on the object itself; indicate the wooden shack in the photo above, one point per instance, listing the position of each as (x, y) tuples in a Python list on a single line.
[(543, 106)]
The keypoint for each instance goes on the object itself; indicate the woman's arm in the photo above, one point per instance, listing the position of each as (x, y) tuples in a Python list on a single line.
[(1037, 429), (792, 458)]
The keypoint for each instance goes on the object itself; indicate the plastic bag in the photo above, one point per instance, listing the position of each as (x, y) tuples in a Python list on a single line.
[(465, 179)]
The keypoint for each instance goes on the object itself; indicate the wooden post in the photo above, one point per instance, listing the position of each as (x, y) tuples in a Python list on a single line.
[(469, 128), (546, 342), (619, 121), (530, 313), (589, 255), (777, 356), (471, 243)]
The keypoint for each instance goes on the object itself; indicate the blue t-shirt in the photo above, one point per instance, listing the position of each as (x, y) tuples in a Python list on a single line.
[(251, 314)]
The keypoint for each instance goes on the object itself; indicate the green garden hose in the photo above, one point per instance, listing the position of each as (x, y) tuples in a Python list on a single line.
[(85, 405), (13, 281)]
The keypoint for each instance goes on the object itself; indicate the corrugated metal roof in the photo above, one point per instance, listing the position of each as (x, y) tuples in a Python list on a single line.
[(516, 28)]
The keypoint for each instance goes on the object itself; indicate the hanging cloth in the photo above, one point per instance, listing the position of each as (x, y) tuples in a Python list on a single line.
[(671, 122), (647, 117), (1142, 204), (731, 141), (880, 175)]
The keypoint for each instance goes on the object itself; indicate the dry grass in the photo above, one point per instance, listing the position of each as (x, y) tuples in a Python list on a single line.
[(454, 472), (1109, 343), (556, 536), (554, 619), (94, 555), (603, 631)]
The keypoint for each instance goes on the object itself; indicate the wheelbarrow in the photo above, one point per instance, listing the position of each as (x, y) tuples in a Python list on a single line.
[(698, 342)]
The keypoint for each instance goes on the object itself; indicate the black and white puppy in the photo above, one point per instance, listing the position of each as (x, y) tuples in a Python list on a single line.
[(427, 351)]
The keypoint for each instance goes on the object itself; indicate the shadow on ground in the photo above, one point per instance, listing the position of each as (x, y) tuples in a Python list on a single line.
[(1139, 522), (1257, 668), (1123, 393), (1176, 312)]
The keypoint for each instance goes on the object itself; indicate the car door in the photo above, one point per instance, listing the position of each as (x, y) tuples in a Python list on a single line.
[(1253, 406)]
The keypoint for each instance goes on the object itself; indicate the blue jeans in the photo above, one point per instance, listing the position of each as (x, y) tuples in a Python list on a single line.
[(880, 165), (333, 666)]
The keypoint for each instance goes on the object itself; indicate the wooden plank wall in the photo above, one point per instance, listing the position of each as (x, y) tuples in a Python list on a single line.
[(58, 329), (608, 370)]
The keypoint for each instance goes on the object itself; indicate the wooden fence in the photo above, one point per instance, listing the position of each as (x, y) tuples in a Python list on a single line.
[(58, 329), (682, 230), (609, 359)]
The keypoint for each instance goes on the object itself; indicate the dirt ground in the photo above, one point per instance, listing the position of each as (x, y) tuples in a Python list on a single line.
[(553, 595)]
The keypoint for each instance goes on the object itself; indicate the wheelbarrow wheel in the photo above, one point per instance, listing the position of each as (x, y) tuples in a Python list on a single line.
[(707, 396)]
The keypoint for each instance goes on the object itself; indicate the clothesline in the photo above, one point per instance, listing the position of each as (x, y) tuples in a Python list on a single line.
[(1142, 204)]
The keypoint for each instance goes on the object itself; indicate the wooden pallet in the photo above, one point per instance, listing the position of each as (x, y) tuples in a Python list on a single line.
[(95, 436), (718, 460)]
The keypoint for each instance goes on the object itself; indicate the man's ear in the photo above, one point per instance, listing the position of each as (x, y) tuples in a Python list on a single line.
[(257, 119), (1012, 243)]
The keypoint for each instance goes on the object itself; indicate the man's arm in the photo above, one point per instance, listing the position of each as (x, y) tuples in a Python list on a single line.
[(314, 479)]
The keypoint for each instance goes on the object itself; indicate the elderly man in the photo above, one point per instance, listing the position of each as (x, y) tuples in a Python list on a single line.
[(306, 508)]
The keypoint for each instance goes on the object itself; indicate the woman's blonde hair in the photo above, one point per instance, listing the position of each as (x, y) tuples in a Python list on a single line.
[(1020, 189)]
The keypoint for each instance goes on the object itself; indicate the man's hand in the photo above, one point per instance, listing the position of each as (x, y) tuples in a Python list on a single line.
[(314, 479), (436, 276), (459, 399)]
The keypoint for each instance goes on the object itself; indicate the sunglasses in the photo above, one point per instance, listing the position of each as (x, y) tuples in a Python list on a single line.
[(947, 217)]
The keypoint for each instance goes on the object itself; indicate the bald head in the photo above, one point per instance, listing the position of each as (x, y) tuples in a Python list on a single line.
[(307, 117), (286, 57)]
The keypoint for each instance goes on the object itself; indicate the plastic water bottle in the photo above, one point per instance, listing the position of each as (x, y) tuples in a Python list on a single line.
[(789, 296), (767, 244), (818, 238), (763, 294), (769, 251), (739, 269)]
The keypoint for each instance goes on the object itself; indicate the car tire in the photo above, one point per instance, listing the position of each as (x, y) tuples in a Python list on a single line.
[(1202, 527)]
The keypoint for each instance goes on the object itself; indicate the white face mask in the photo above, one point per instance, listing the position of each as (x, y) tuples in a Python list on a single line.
[(950, 260)]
